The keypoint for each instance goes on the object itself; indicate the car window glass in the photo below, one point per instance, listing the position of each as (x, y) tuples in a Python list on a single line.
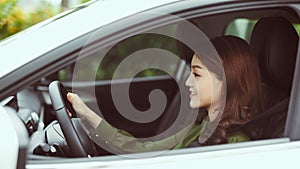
[(297, 27), (241, 27), (120, 51)]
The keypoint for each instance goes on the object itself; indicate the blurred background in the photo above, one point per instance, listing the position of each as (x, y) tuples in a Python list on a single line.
[(16, 15)]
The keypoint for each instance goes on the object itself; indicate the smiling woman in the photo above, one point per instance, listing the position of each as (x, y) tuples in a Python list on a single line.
[(199, 84), (243, 91)]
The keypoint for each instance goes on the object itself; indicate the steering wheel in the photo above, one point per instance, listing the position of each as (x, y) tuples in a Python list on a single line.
[(58, 96)]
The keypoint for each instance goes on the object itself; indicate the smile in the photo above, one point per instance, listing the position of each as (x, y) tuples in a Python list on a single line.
[(193, 92)]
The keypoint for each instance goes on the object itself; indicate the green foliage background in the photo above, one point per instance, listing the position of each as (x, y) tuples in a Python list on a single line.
[(14, 19)]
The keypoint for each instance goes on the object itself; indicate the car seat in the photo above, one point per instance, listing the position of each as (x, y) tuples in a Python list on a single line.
[(275, 41)]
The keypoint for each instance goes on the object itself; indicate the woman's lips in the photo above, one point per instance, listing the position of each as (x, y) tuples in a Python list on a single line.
[(193, 93)]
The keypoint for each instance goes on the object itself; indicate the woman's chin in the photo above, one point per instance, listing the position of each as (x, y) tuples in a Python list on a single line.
[(192, 105)]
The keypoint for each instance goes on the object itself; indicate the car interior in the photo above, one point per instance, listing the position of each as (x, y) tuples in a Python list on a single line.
[(278, 51), (271, 33)]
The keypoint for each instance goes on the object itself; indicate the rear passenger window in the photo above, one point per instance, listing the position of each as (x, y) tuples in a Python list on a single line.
[(241, 27), (297, 27)]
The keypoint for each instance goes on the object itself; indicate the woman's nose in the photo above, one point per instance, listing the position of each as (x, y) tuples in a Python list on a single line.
[(189, 80)]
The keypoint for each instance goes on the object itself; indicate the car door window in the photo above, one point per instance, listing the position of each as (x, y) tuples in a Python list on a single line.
[(120, 51)]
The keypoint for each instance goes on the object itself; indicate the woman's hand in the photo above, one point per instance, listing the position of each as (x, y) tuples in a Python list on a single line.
[(83, 111)]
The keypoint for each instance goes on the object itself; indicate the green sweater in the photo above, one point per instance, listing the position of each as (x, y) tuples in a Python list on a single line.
[(121, 141)]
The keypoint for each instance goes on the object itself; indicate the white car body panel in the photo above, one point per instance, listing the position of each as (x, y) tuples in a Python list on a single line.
[(9, 146), (267, 156)]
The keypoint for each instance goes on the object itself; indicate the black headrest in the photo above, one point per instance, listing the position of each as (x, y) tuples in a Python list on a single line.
[(275, 42)]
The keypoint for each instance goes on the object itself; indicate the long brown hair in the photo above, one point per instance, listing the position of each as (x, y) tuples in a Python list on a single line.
[(243, 88)]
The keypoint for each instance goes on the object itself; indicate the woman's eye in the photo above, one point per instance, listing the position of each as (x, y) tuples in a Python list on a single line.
[(196, 75)]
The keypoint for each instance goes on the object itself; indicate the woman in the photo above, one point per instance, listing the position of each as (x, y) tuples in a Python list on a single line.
[(243, 91), (217, 126)]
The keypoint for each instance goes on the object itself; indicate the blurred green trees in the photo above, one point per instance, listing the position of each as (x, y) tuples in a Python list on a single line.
[(14, 19)]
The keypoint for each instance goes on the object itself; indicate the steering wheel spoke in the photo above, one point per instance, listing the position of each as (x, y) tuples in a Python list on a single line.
[(61, 105)]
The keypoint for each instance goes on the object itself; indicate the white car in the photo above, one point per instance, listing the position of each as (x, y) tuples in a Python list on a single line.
[(111, 52)]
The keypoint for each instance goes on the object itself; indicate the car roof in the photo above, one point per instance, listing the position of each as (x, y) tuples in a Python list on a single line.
[(54, 32)]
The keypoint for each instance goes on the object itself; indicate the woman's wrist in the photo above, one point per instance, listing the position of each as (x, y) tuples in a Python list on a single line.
[(93, 119)]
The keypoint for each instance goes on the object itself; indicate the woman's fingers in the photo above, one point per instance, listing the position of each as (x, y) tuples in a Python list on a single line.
[(78, 105), (83, 111), (69, 113), (70, 97)]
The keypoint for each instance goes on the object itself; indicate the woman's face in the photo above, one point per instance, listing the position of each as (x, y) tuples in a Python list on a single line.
[(199, 84)]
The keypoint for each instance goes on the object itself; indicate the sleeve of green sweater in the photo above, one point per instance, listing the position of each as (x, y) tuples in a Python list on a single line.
[(237, 137), (121, 141)]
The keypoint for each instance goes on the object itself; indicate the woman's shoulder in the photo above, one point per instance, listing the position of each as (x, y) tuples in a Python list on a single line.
[(237, 136)]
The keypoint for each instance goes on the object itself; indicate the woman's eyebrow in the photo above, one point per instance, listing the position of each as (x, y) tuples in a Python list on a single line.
[(197, 67)]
